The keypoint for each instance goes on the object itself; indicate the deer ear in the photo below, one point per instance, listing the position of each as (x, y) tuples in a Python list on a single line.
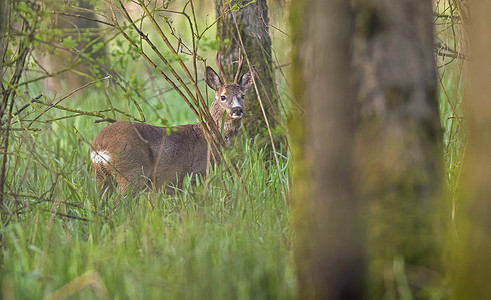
[(245, 80), (212, 79)]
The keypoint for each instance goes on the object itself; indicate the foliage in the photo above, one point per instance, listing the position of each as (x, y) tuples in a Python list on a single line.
[(226, 237), (209, 240)]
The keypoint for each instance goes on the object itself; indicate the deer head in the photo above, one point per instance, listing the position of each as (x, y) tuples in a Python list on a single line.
[(227, 109)]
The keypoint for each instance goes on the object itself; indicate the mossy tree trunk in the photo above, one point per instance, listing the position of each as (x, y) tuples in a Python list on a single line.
[(367, 174), (471, 267), (398, 143), (250, 23), (329, 239)]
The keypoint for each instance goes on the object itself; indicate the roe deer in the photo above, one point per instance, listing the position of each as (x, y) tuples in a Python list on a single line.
[(136, 155)]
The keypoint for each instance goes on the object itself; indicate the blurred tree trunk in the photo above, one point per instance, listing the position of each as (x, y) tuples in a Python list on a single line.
[(373, 165), (79, 24), (472, 267), (399, 142), (252, 23), (329, 239)]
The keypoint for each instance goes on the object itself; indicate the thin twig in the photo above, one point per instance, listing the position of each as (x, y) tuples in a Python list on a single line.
[(63, 98), (201, 111), (28, 104), (10, 95), (81, 17), (81, 112)]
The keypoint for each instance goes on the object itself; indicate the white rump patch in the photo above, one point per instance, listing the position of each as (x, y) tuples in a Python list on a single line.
[(98, 157)]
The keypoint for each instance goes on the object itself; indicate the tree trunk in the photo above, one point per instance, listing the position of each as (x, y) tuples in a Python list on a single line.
[(399, 142), (252, 24), (373, 164), (83, 25), (329, 239), (472, 267)]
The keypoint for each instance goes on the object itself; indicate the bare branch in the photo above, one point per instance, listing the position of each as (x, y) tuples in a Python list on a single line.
[(239, 67), (219, 65)]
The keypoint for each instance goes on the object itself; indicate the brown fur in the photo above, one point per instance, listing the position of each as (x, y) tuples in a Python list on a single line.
[(143, 155)]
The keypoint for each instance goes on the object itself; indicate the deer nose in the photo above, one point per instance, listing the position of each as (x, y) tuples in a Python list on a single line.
[(237, 112)]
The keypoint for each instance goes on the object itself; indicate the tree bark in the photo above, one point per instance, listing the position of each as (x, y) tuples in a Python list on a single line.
[(372, 165), (398, 142), (251, 31), (329, 239)]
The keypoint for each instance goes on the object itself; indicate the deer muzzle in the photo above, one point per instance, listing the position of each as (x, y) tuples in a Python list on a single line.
[(237, 112)]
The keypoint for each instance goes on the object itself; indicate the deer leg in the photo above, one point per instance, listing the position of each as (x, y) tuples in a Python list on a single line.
[(105, 181), (134, 184), (107, 188)]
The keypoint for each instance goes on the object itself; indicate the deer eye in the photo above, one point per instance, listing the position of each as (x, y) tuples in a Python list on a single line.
[(223, 98), (242, 97)]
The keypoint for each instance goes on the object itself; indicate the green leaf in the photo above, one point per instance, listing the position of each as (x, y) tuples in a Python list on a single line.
[(22, 7), (97, 47), (69, 42)]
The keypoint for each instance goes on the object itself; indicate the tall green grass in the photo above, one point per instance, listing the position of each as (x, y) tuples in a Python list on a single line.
[(214, 240)]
